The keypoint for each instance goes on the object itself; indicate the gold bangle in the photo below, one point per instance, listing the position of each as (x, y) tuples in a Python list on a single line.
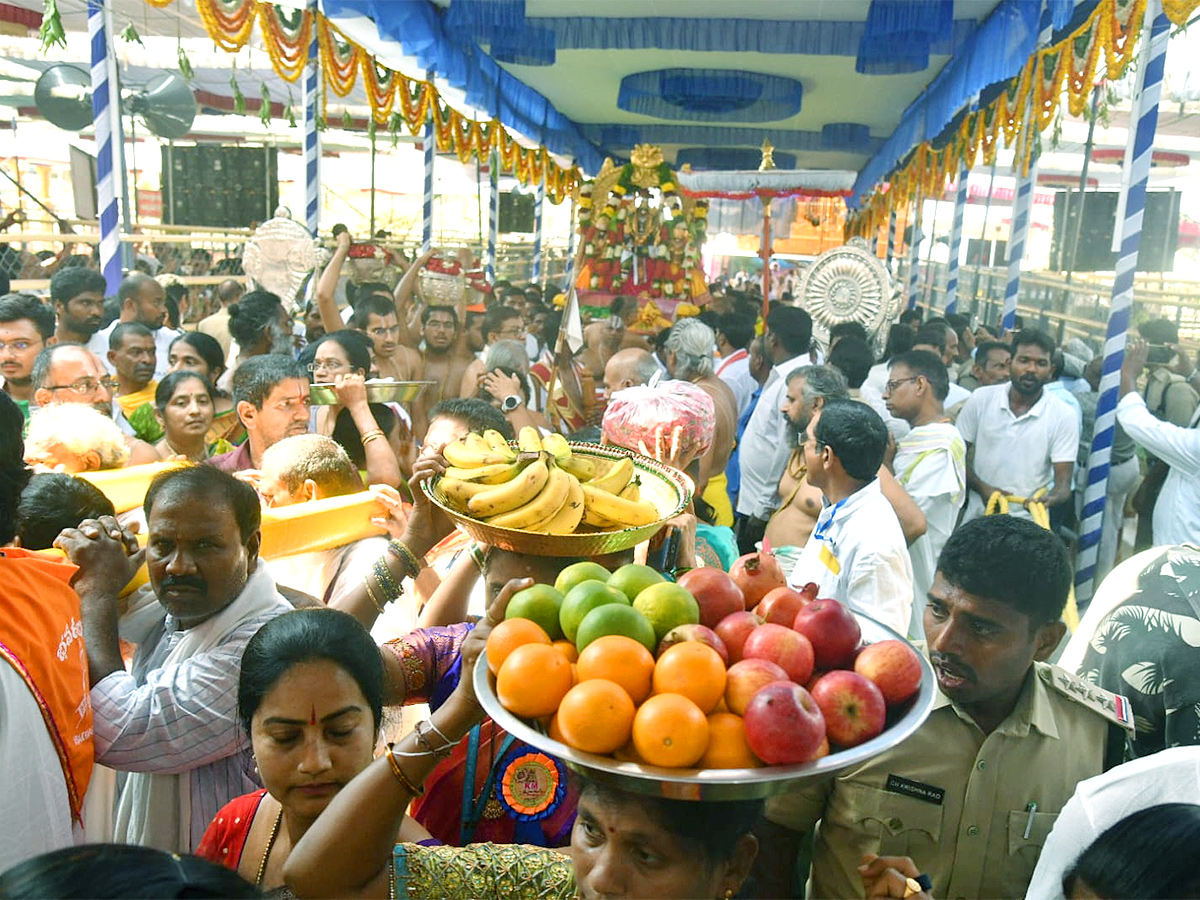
[(371, 594), (373, 435), (404, 780)]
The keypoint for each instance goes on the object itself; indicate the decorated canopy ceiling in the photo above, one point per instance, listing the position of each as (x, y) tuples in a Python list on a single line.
[(903, 93)]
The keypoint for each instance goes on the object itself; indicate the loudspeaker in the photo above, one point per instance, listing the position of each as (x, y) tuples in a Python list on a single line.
[(1160, 231), (220, 187), (516, 212)]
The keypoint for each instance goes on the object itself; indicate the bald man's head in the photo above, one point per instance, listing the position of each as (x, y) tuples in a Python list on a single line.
[(627, 368)]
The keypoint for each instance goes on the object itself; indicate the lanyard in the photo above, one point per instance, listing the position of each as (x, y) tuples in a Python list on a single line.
[(472, 804), (821, 532)]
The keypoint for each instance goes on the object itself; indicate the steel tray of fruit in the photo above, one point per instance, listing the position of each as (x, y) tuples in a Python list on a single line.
[(379, 390), (719, 784), (668, 489)]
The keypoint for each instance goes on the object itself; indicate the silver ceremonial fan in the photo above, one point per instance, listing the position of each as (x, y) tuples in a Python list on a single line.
[(849, 284), (280, 255)]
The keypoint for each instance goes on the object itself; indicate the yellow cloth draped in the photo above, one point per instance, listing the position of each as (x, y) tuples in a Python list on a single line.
[(130, 402), (716, 495)]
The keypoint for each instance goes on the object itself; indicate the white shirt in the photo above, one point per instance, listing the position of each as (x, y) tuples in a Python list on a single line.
[(931, 465), (1016, 453), (877, 378), (1177, 510), (1169, 776), (955, 395), (857, 555), (37, 811), (163, 338), (765, 447), (179, 717), (734, 370)]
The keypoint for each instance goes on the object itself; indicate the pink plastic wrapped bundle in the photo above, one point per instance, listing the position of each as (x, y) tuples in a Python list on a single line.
[(673, 421)]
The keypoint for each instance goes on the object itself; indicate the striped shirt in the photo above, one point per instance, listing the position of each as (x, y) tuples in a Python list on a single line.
[(180, 718)]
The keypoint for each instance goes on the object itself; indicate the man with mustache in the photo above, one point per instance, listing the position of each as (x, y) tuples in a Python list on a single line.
[(144, 301), (171, 722), (1020, 440), (270, 394), (78, 297), (973, 794), (26, 324), (70, 373), (131, 353)]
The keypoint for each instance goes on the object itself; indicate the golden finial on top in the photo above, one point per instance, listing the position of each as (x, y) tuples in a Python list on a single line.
[(646, 159), (768, 156)]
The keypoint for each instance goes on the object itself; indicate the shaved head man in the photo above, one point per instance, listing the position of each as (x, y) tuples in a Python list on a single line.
[(627, 368)]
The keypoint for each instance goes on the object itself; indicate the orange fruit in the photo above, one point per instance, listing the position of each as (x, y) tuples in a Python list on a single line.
[(596, 716), (508, 636), (727, 747), (694, 670), (670, 730), (620, 659), (567, 649), (533, 680), (554, 732)]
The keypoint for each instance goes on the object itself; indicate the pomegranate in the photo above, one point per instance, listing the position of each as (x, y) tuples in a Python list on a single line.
[(755, 574), (717, 594)]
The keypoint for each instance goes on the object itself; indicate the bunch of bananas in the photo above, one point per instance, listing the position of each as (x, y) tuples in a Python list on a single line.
[(541, 486)]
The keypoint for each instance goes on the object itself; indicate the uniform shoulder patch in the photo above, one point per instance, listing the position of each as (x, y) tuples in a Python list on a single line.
[(1114, 707)]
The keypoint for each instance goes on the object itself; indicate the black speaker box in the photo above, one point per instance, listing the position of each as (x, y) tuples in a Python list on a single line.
[(1160, 231), (219, 187)]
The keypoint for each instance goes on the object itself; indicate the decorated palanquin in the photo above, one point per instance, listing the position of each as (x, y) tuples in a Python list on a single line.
[(640, 236)]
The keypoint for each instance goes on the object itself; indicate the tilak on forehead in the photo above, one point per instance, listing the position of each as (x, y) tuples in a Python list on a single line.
[(313, 716)]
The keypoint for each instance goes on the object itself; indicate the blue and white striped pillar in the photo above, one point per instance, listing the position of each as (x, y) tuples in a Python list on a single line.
[(914, 257), (539, 205), (1137, 164), (1022, 208), (956, 230), (430, 148), (891, 238), (312, 137), (493, 214), (571, 229), (105, 108), (1017, 235)]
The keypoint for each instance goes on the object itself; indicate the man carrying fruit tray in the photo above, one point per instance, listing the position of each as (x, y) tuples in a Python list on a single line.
[(973, 794)]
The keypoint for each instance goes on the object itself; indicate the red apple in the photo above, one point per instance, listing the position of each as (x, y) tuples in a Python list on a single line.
[(853, 707), (833, 631), (893, 666), (717, 594), (783, 724), (734, 629), (780, 606), (681, 633), (745, 678), (780, 646), (755, 574)]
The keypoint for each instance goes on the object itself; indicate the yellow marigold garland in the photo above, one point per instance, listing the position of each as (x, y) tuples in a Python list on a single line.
[(288, 52), (229, 30)]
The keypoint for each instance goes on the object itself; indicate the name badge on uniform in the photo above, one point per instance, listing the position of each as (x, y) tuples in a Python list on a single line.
[(898, 784), (830, 561)]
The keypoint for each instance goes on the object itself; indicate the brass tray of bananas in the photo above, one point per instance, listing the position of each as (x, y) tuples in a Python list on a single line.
[(548, 497)]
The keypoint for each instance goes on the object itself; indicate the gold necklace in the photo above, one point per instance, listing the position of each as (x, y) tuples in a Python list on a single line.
[(262, 866)]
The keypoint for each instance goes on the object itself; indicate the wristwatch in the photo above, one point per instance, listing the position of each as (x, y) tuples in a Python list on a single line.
[(511, 402)]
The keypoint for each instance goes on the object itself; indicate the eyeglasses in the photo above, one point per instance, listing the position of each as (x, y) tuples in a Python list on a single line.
[(18, 346), (518, 332), (326, 365), (892, 385), (87, 385)]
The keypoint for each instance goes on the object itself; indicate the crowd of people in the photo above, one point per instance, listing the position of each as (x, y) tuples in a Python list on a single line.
[(249, 673)]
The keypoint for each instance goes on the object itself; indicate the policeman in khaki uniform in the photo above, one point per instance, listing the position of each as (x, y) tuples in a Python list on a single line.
[(970, 797)]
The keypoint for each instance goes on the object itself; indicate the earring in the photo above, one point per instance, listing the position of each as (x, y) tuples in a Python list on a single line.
[(728, 893)]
